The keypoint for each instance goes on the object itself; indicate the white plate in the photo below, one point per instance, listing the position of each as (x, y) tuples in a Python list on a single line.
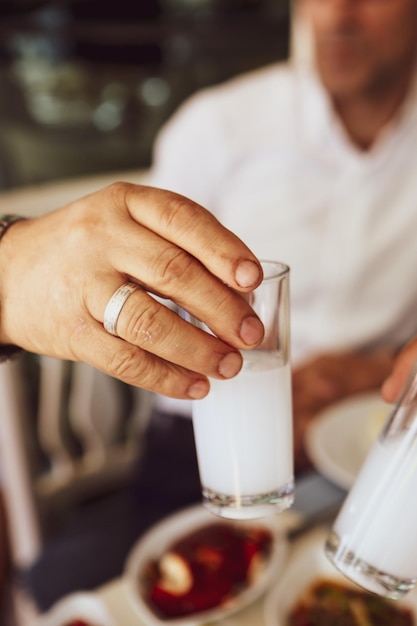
[(155, 542), (85, 606), (307, 564), (339, 438)]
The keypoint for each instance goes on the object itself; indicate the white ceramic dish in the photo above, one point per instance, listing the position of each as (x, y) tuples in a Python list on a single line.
[(84, 606), (306, 564), (339, 438), (154, 543)]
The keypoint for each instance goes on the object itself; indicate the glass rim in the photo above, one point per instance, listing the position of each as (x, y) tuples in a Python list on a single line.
[(278, 269)]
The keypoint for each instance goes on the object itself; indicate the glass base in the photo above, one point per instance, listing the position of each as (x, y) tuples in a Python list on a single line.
[(364, 574), (249, 507)]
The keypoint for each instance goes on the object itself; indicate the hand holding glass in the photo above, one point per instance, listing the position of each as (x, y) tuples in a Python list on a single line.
[(243, 428)]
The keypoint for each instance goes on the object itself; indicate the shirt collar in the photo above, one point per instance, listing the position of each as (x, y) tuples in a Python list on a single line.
[(322, 129)]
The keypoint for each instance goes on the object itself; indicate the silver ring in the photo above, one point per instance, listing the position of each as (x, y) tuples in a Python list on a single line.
[(115, 305)]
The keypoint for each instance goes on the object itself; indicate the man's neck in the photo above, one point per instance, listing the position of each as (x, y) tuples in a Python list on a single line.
[(364, 115)]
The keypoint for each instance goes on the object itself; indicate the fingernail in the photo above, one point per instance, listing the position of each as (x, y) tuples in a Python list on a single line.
[(230, 365), (251, 331), (198, 390), (247, 274)]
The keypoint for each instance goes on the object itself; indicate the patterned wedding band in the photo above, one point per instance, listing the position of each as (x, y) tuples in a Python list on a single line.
[(115, 305)]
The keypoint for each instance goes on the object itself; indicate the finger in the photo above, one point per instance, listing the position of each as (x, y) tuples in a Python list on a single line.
[(135, 366), (151, 326), (394, 384), (164, 268), (193, 228)]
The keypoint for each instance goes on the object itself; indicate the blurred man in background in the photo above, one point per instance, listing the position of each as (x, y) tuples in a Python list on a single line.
[(312, 162)]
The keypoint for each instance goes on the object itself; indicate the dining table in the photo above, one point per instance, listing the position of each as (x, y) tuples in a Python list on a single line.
[(316, 503)]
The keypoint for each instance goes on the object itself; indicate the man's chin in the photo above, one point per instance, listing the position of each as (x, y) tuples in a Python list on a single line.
[(342, 83)]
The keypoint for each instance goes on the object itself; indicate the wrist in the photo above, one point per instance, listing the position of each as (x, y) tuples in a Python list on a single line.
[(7, 350)]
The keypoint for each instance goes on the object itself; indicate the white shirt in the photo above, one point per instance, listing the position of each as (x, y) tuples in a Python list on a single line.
[(267, 155)]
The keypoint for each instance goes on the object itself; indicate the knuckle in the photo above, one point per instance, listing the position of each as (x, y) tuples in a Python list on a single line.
[(118, 188), (117, 195), (173, 264), (145, 326), (128, 364), (136, 367), (180, 212)]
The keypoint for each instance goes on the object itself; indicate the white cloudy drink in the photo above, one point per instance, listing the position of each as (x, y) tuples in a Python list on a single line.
[(243, 433), (374, 538), (245, 419), (243, 427)]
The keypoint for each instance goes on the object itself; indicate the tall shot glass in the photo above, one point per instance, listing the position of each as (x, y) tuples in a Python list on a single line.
[(243, 428), (374, 538)]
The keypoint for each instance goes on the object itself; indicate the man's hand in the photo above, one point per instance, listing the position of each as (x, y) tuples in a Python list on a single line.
[(58, 272), (329, 378), (403, 366)]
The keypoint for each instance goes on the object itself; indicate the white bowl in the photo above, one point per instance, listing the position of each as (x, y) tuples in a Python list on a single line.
[(158, 539), (339, 438), (85, 606)]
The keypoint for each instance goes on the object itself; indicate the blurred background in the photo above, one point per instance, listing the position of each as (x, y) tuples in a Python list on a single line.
[(86, 84)]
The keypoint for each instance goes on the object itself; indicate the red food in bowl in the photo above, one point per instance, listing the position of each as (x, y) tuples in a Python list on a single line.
[(206, 568)]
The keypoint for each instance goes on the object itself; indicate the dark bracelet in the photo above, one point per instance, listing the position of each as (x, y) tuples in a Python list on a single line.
[(7, 220), (8, 351)]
